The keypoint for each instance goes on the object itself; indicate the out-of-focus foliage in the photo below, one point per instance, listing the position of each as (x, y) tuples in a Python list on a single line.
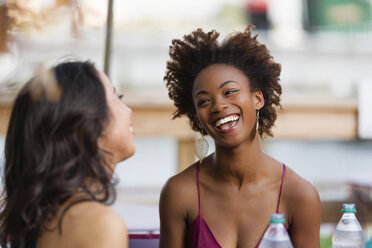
[(339, 15), (325, 242), (20, 15)]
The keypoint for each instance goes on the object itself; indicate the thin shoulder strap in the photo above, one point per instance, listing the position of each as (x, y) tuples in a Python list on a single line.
[(277, 206), (281, 189), (198, 183)]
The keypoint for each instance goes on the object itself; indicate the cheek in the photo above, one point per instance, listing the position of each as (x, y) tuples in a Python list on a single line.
[(202, 116), (248, 109), (118, 128)]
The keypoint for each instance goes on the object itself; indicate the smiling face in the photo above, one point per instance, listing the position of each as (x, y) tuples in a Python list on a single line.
[(118, 136), (225, 105)]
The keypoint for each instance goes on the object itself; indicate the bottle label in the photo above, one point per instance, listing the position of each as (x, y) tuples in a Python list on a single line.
[(348, 223)]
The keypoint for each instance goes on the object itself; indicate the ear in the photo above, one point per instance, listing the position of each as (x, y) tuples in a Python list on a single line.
[(258, 99)]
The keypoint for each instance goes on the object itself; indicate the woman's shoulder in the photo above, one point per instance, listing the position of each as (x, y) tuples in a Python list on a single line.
[(180, 188), (182, 180), (298, 187), (300, 193), (95, 212), (85, 224), (99, 222), (302, 208)]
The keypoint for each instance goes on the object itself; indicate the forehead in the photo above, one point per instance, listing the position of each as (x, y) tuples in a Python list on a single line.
[(105, 81), (215, 75)]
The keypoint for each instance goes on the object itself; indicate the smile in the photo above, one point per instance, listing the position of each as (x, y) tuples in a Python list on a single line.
[(227, 122), (131, 129)]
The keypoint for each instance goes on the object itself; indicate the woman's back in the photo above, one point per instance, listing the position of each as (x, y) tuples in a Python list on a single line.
[(87, 224)]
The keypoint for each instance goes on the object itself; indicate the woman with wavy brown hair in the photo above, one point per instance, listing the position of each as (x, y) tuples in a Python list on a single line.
[(68, 129), (230, 91)]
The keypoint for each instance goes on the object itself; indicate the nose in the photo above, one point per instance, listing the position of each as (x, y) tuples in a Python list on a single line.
[(129, 110), (218, 105)]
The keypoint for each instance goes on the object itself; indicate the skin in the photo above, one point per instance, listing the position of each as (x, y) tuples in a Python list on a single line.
[(239, 184), (92, 224), (118, 136)]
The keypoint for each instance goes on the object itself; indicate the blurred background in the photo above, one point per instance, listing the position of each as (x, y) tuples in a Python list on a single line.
[(323, 131)]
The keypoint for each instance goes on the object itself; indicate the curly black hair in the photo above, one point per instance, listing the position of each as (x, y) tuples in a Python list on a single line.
[(50, 151), (198, 50)]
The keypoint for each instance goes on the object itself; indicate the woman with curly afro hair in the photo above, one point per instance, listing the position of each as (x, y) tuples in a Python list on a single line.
[(230, 91)]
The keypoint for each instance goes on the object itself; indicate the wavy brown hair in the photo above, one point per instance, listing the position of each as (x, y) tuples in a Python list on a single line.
[(198, 50), (51, 153)]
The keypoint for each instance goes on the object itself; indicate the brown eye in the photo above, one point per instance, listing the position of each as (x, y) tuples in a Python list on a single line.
[(229, 92), (202, 102)]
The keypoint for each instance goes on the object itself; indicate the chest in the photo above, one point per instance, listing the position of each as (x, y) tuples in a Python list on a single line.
[(237, 219)]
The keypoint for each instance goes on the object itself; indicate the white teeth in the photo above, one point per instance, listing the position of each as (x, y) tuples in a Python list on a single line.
[(227, 119)]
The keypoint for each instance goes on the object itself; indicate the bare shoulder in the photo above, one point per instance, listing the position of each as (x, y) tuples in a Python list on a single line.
[(179, 194), (177, 206), (299, 189), (92, 224), (302, 200), (302, 206), (182, 185)]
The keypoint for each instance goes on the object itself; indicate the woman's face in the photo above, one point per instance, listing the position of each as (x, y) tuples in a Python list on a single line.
[(118, 136), (225, 106)]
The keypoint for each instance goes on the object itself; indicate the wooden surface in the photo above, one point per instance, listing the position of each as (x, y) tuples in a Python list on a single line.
[(4, 118), (317, 118)]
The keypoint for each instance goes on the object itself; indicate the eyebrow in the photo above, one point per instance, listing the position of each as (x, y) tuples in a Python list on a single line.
[(227, 82), (202, 92)]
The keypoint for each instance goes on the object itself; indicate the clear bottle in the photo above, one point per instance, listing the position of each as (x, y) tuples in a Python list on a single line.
[(276, 235), (349, 233)]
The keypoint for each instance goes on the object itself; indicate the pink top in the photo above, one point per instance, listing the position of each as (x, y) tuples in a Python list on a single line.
[(199, 235)]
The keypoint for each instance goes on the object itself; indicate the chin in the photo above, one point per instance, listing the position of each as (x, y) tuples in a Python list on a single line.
[(128, 153), (228, 144), (231, 143), (133, 152)]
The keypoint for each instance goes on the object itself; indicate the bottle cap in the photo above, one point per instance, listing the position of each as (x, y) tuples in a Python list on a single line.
[(348, 208), (277, 218)]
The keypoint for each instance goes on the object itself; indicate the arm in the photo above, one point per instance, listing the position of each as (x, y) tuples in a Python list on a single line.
[(172, 209), (304, 206)]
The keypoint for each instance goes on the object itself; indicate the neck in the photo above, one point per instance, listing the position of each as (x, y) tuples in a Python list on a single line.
[(110, 163), (241, 164)]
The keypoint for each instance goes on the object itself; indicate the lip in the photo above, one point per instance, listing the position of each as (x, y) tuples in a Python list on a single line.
[(131, 129), (227, 130)]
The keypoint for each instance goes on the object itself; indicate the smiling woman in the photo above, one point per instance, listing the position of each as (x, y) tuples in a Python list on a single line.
[(230, 91), (212, 96)]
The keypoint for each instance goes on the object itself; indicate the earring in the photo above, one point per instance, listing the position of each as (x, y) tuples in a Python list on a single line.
[(257, 119), (201, 148)]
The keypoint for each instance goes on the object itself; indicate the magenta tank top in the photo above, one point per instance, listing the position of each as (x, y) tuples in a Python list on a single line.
[(199, 235)]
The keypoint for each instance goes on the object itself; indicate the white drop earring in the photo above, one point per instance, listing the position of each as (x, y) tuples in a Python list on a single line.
[(201, 148)]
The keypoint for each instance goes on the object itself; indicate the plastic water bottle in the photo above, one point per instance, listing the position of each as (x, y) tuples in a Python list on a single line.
[(276, 236), (348, 232)]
